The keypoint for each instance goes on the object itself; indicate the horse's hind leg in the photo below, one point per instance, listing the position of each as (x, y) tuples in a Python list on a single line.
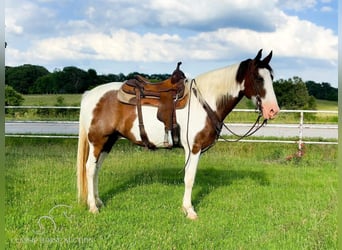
[(102, 157), (91, 168), (94, 163)]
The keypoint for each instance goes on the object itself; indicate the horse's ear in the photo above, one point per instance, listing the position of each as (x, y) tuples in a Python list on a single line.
[(267, 59), (258, 56)]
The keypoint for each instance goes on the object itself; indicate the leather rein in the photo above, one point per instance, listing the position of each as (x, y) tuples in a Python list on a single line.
[(217, 124)]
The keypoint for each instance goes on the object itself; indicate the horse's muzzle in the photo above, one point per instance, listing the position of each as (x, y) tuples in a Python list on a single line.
[(270, 111)]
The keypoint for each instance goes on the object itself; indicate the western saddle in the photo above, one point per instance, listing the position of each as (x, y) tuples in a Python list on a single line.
[(167, 95)]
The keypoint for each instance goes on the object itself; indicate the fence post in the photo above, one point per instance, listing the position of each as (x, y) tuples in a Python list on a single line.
[(301, 122)]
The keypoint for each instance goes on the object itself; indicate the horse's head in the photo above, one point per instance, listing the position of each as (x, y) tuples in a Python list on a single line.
[(257, 75)]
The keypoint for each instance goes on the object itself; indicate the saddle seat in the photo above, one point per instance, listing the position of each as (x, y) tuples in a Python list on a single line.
[(152, 93)]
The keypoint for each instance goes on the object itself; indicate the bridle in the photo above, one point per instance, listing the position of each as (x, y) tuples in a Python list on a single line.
[(256, 126), (217, 124)]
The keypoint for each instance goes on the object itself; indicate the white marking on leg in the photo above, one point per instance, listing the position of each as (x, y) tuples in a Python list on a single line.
[(189, 179), (170, 138), (91, 169)]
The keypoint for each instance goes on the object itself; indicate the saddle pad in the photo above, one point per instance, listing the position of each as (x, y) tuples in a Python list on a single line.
[(126, 98)]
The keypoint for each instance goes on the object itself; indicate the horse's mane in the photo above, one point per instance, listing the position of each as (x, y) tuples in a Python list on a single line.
[(218, 83)]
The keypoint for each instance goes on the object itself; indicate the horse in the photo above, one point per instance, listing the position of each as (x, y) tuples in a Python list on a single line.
[(212, 96)]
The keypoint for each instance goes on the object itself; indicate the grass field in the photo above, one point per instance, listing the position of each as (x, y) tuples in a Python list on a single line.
[(51, 100), (248, 196)]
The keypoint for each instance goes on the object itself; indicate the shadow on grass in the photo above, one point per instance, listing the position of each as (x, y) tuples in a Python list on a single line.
[(207, 180)]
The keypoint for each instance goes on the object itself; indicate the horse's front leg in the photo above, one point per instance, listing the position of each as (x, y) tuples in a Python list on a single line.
[(189, 179)]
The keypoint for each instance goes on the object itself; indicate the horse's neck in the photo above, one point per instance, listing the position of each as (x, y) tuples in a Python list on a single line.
[(220, 89), (226, 105)]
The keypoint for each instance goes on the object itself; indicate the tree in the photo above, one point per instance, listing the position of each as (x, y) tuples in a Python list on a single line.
[(69, 80), (32, 79), (12, 97), (293, 94), (47, 84), (73, 80), (22, 78), (92, 76), (322, 90)]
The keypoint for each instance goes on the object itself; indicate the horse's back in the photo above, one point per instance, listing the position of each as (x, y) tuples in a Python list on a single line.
[(92, 97), (97, 92)]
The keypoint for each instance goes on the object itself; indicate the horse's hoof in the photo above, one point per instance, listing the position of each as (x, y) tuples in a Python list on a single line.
[(94, 210), (192, 216), (98, 202), (190, 213)]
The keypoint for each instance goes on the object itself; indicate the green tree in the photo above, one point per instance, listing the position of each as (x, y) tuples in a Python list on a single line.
[(12, 97), (111, 78), (93, 78), (73, 80), (293, 94), (43, 85), (69, 80), (322, 90), (22, 78)]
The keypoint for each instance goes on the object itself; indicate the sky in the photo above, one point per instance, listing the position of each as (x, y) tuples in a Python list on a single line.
[(151, 36)]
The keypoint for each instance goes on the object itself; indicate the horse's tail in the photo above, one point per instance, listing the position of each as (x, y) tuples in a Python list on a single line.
[(82, 156)]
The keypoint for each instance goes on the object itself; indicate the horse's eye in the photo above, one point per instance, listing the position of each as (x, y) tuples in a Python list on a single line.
[(259, 79)]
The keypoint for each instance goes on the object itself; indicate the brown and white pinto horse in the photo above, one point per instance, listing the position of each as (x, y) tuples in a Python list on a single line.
[(103, 119)]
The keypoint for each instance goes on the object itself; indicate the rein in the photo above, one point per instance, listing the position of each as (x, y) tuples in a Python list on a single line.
[(217, 124), (256, 126)]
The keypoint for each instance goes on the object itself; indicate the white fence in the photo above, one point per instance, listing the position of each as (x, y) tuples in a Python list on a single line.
[(301, 126)]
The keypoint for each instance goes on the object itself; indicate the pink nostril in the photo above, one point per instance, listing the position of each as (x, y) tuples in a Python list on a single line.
[(270, 111), (273, 112)]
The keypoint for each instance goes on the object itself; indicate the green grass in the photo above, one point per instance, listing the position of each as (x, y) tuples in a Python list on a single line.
[(327, 105), (248, 196), (51, 100)]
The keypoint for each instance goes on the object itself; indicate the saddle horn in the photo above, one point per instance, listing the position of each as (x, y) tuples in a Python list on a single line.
[(178, 65), (177, 74)]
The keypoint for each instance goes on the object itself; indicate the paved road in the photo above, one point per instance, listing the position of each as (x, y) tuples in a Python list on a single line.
[(71, 128), (60, 128)]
